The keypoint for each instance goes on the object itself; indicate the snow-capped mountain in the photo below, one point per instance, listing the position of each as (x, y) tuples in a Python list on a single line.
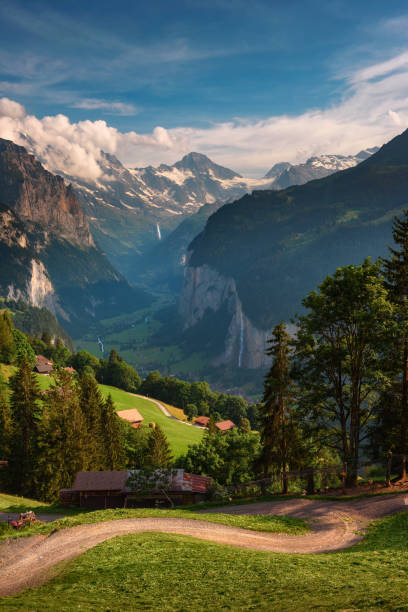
[(130, 209), (285, 174)]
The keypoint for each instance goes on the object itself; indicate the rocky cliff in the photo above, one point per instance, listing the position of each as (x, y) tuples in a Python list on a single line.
[(39, 197), (206, 290), (47, 254)]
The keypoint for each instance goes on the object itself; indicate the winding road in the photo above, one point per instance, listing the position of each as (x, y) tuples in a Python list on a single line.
[(27, 562)]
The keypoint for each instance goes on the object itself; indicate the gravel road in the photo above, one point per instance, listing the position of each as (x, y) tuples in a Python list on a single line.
[(27, 562)]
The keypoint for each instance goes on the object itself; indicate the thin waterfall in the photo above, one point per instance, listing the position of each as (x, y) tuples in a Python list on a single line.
[(241, 341), (101, 345), (158, 231)]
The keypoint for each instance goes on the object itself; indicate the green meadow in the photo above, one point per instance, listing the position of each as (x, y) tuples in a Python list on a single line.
[(155, 571)]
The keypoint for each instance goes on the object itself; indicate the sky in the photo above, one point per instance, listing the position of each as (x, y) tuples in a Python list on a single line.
[(247, 83)]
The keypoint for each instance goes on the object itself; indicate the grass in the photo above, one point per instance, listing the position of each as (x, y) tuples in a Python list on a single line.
[(15, 504), (178, 573), (176, 412), (275, 524), (180, 436)]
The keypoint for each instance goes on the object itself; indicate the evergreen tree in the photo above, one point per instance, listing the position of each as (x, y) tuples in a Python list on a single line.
[(5, 421), (392, 432), (25, 414), (22, 347), (92, 403), (63, 439), (275, 414), (7, 347), (112, 434), (158, 450)]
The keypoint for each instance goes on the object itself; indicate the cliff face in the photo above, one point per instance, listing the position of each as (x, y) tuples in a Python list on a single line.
[(47, 255), (206, 290), (39, 197)]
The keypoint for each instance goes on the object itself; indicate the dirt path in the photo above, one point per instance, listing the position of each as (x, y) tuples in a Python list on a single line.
[(165, 411), (27, 562)]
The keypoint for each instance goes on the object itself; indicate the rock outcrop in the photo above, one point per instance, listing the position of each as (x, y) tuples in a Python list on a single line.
[(206, 290)]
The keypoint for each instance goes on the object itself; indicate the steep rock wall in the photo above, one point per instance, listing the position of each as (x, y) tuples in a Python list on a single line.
[(205, 289)]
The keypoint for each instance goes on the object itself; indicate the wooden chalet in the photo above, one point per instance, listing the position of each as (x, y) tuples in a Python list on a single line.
[(224, 426), (132, 416), (202, 421), (98, 490), (43, 365)]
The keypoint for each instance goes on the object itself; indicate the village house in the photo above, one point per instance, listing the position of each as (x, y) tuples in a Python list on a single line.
[(224, 426), (132, 416), (202, 421), (43, 365), (98, 490)]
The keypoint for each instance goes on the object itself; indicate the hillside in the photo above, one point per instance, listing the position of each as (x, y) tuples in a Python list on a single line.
[(178, 434), (257, 258)]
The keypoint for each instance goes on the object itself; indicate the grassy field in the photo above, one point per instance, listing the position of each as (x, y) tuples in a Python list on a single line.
[(275, 524), (178, 573), (178, 434)]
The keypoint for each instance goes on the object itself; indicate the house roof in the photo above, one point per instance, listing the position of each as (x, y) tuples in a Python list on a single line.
[(202, 420), (100, 481), (43, 360), (225, 425), (69, 369), (132, 415), (43, 368)]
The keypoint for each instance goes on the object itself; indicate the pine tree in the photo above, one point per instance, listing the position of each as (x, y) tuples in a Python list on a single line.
[(25, 414), (91, 403), (5, 421), (275, 414), (158, 450), (7, 348), (396, 275), (63, 439), (113, 441)]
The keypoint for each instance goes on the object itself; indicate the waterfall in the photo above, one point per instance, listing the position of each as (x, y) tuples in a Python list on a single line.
[(241, 341), (158, 231), (101, 345)]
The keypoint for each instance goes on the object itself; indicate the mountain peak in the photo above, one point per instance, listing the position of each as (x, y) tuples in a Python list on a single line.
[(197, 162)]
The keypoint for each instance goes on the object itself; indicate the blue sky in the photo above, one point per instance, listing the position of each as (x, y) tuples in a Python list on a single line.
[(188, 66)]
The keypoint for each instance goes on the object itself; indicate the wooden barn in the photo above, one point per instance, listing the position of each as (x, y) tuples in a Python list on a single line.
[(132, 416), (98, 490)]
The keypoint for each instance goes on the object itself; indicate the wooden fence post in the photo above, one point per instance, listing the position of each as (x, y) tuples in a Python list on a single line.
[(388, 473), (310, 488)]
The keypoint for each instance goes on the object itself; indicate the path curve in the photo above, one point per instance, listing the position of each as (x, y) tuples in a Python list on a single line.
[(27, 562), (164, 410)]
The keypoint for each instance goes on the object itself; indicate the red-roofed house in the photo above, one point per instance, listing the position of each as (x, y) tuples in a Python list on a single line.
[(132, 416), (109, 490), (202, 421), (224, 426)]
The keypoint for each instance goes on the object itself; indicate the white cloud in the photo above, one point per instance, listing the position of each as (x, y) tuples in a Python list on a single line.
[(115, 108), (373, 110)]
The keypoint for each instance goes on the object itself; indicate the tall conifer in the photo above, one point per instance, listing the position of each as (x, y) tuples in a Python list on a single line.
[(275, 413), (112, 435), (158, 450), (396, 274), (91, 402), (25, 414)]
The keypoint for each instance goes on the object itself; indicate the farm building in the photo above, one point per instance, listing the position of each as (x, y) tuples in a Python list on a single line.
[(224, 426), (132, 416), (109, 490), (202, 421), (43, 365)]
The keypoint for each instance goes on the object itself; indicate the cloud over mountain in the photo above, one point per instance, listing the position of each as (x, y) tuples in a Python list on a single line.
[(374, 108)]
